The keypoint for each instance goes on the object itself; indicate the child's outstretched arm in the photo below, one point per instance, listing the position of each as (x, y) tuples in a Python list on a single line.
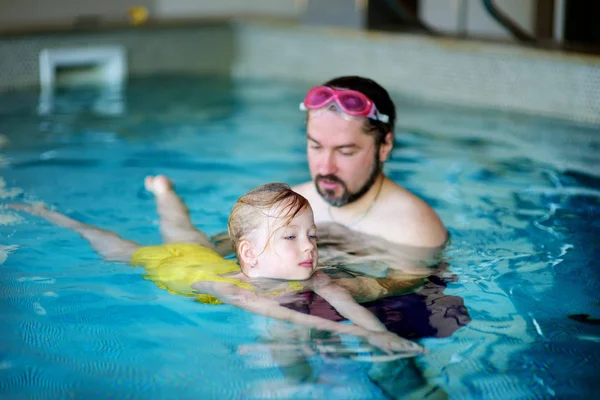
[(175, 223), (106, 243), (347, 306), (255, 303)]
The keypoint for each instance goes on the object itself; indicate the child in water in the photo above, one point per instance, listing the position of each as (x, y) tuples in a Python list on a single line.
[(274, 238)]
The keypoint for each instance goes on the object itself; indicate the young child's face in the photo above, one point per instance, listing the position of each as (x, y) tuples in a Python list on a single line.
[(291, 253)]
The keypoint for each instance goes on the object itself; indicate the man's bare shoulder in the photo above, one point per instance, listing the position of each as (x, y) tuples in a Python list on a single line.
[(410, 220), (306, 189), (318, 205)]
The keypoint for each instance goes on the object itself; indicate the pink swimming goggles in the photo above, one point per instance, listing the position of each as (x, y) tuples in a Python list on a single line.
[(349, 101)]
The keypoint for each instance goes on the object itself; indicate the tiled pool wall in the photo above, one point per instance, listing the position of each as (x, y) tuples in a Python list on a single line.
[(470, 73)]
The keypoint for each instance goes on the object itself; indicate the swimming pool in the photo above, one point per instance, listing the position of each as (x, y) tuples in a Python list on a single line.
[(519, 194)]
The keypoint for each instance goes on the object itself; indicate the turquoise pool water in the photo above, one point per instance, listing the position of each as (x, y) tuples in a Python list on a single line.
[(520, 196)]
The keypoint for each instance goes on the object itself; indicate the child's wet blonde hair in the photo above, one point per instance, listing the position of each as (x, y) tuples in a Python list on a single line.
[(250, 210)]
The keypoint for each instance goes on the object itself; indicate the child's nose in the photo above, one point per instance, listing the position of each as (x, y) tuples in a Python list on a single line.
[(308, 245)]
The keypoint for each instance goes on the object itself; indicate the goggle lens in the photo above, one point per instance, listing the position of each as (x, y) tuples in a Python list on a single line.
[(353, 103), (319, 96)]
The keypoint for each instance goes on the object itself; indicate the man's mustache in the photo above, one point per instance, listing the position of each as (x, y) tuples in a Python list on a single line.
[(331, 178)]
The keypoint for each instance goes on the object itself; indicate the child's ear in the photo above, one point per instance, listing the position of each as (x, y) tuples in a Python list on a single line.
[(246, 254)]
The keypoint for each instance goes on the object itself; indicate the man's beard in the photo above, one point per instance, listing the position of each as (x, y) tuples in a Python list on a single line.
[(347, 197)]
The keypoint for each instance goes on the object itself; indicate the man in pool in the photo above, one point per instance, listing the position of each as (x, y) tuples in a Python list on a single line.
[(368, 223), (350, 135)]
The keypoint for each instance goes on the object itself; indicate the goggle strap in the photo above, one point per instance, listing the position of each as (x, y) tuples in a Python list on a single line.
[(382, 117)]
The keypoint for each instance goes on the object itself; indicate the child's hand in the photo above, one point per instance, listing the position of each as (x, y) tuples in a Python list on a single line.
[(392, 343)]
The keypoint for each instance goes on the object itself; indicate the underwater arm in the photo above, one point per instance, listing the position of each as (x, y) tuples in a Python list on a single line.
[(345, 304), (250, 301)]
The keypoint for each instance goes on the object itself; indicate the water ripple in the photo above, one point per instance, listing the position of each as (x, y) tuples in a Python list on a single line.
[(42, 335), (37, 382)]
